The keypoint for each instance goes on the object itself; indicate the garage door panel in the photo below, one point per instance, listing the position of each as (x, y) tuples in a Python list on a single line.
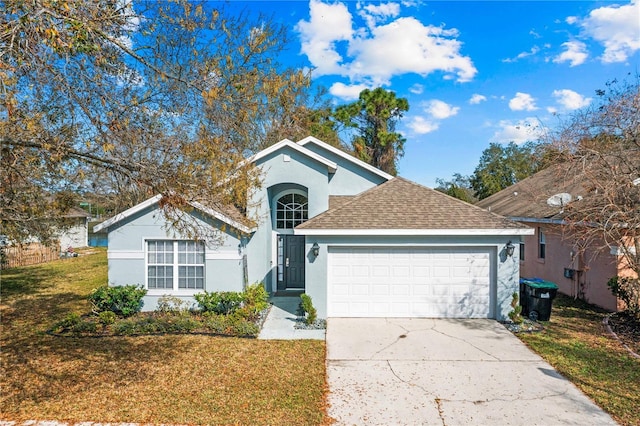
[(405, 282)]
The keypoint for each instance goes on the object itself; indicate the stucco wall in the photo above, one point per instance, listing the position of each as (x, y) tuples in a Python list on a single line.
[(504, 273), (127, 251), (288, 167), (593, 269), (349, 178)]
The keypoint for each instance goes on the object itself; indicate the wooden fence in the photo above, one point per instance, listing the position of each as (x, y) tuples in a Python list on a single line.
[(28, 254)]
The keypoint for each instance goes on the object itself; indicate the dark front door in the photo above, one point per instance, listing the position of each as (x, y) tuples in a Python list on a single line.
[(291, 263)]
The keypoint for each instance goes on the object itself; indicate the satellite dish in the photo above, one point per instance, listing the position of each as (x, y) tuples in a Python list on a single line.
[(559, 200)]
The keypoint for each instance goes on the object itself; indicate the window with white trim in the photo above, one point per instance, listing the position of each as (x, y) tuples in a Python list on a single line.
[(542, 244), (175, 265), (291, 211)]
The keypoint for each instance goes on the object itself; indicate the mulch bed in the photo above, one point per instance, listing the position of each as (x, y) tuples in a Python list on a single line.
[(627, 327)]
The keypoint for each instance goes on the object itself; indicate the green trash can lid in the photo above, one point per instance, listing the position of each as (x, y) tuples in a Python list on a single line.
[(538, 283)]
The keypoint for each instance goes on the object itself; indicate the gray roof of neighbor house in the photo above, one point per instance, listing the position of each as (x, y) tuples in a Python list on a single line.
[(539, 196), (75, 212), (400, 204)]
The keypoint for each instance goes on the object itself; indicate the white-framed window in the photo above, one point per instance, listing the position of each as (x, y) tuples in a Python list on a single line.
[(542, 244), (291, 210), (175, 265)]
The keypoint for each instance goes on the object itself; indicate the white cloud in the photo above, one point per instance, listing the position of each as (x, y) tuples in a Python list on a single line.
[(382, 50), (522, 102), (327, 25), (519, 132), (570, 100), (617, 28), (408, 46), (416, 89), (421, 125), (522, 55), (377, 13), (571, 20), (575, 53), (440, 110), (477, 98), (347, 92)]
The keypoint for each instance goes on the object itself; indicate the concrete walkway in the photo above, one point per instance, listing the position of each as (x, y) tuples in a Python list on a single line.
[(280, 322), (445, 372)]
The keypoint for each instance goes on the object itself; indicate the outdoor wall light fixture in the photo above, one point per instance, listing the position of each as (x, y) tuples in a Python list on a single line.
[(510, 248), (315, 249)]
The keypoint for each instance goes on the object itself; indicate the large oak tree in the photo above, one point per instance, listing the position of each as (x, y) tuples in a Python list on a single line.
[(134, 100)]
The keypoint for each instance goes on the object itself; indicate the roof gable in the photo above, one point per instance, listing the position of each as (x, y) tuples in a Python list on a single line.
[(230, 218), (286, 143), (402, 207), (344, 155)]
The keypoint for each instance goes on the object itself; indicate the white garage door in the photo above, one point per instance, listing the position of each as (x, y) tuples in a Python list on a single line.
[(409, 282)]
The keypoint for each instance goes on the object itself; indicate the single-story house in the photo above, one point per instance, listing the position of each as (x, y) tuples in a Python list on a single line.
[(359, 241), (551, 253)]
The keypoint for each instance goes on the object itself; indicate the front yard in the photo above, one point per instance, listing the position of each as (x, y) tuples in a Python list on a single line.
[(178, 379), (576, 344), (205, 379)]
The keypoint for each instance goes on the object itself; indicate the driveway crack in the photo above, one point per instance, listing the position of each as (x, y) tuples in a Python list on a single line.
[(402, 336), (468, 343)]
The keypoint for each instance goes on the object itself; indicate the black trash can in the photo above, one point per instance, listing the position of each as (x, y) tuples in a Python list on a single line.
[(538, 297)]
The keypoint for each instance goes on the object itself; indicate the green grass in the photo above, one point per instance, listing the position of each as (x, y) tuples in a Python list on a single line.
[(177, 379), (576, 344)]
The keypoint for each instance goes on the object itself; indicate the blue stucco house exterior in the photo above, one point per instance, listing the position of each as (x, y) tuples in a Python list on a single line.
[(359, 241)]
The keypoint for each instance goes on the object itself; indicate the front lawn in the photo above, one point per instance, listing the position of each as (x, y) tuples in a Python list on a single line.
[(170, 379), (575, 343)]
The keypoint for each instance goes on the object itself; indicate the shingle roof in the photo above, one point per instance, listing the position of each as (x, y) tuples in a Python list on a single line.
[(402, 204), (336, 201), (528, 198)]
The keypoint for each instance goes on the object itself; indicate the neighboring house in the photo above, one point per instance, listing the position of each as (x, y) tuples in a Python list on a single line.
[(75, 233), (538, 202), (360, 242)]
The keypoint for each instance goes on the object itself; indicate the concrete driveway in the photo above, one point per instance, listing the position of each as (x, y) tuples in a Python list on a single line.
[(389, 371)]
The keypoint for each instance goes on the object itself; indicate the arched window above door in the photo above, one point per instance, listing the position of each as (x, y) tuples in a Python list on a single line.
[(291, 210)]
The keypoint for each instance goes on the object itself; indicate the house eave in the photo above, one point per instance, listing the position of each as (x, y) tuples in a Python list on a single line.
[(537, 220), (418, 232), (127, 213), (153, 200)]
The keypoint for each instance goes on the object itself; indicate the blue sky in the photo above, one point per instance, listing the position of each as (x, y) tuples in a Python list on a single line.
[(474, 72)]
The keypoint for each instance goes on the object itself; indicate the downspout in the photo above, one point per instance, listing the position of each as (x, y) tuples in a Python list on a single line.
[(245, 268)]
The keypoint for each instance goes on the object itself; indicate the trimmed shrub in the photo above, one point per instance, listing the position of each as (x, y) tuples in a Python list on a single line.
[(67, 323), (122, 300), (222, 302), (306, 306), (257, 297), (172, 305), (107, 318), (514, 315)]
